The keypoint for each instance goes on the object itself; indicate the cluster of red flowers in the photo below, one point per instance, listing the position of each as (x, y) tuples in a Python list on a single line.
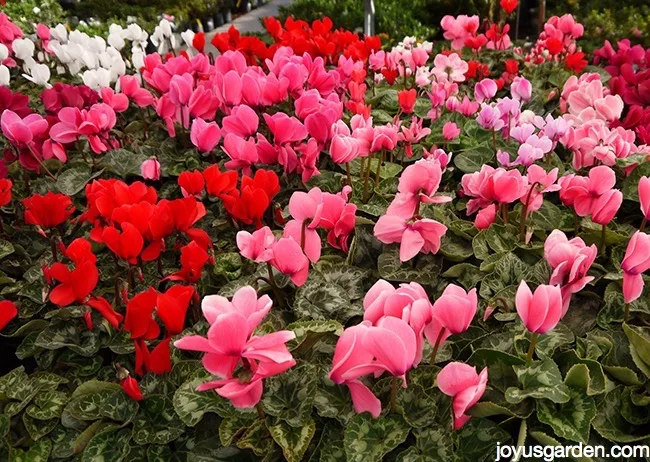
[(170, 308), (319, 39), (246, 204), (629, 67)]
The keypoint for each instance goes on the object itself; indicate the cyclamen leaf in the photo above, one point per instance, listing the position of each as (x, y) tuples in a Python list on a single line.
[(293, 440), (369, 440), (539, 380)]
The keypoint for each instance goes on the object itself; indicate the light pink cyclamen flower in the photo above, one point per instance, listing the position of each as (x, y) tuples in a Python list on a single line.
[(230, 343), (417, 236), (150, 169), (449, 68), (289, 259), (419, 182), (570, 260), (21, 132), (521, 89), (257, 246), (464, 385), (635, 263)]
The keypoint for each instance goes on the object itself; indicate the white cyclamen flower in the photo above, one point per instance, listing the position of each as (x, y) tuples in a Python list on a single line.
[(23, 48), (39, 74)]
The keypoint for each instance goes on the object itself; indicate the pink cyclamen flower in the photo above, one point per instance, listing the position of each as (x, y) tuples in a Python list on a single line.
[(344, 149), (230, 344), (414, 237), (289, 259), (450, 131), (485, 90), (409, 302), (205, 135), (464, 385), (521, 89), (541, 311), (244, 302), (644, 196), (490, 118), (150, 169), (257, 246), (570, 261), (243, 153), (419, 182), (449, 68), (635, 262), (452, 313), (604, 209), (242, 121), (389, 346), (21, 132), (485, 217)]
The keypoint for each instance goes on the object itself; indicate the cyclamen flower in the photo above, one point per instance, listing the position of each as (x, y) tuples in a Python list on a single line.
[(570, 261), (408, 302), (363, 350), (449, 68), (419, 182), (239, 360), (464, 385), (539, 311), (417, 236), (635, 263)]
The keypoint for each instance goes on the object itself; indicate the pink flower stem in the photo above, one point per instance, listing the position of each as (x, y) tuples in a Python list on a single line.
[(494, 140), (531, 348), (347, 172), (643, 223), (393, 396), (434, 353), (575, 222), (504, 213)]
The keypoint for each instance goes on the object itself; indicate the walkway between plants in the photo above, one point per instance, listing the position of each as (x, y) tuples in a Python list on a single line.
[(251, 22)]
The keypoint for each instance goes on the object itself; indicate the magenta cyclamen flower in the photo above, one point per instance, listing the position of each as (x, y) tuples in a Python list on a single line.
[(238, 359)]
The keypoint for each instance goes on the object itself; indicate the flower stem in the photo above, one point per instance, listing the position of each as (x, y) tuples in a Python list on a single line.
[(303, 235), (575, 222), (504, 304), (531, 349), (643, 223), (504, 213), (393, 396), (434, 353), (366, 179), (378, 171), (260, 411), (347, 172), (522, 222), (53, 247), (627, 313), (494, 140), (601, 246)]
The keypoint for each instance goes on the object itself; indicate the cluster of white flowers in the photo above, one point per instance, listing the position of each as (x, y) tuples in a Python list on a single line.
[(97, 61)]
